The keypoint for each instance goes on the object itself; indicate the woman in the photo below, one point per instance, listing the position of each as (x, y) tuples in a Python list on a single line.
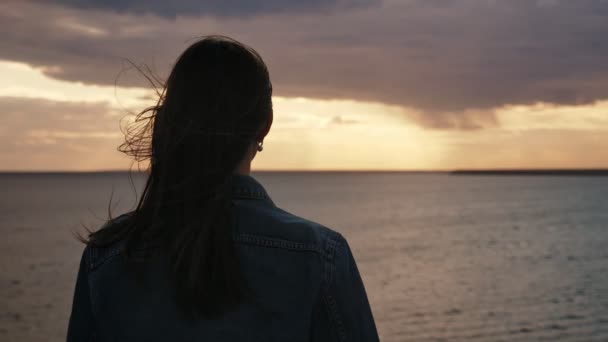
[(206, 255)]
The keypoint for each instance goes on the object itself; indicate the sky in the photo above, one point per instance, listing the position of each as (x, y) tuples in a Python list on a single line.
[(358, 85)]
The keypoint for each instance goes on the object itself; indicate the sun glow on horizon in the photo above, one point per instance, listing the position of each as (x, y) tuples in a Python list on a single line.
[(62, 125)]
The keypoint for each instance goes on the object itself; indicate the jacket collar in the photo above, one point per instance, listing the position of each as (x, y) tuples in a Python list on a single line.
[(247, 187)]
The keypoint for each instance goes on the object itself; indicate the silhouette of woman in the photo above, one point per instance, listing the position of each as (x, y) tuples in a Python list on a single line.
[(206, 254)]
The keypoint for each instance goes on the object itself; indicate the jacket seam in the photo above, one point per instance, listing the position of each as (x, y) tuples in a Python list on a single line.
[(103, 258), (92, 297), (97, 259), (332, 307), (97, 256), (276, 243)]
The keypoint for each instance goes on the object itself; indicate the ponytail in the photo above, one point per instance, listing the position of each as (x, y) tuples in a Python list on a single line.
[(209, 115)]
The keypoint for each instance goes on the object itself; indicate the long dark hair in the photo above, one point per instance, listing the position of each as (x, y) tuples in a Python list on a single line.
[(214, 107)]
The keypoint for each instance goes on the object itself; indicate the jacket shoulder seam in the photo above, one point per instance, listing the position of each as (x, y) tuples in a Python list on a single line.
[(99, 256), (334, 242), (329, 253), (272, 242)]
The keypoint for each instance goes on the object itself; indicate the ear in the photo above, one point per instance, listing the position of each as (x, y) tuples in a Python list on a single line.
[(266, 127)]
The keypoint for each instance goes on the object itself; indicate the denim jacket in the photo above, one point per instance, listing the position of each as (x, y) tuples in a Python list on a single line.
[(304, 277)]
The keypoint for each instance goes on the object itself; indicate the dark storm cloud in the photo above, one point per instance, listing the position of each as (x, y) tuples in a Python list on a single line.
[(238, 8), (454, 61)]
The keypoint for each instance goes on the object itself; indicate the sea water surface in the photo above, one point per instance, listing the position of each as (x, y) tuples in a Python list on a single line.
[(443, 257)]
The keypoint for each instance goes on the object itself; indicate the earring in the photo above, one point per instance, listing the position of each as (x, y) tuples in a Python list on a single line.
[(260, 146)]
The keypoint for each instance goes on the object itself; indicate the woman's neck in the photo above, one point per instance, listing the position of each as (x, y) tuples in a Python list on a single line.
[(244, 168)]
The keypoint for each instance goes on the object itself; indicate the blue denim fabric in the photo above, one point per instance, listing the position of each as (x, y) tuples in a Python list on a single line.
[(304, 278)]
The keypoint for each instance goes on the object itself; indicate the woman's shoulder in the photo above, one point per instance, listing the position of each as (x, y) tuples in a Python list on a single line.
[(106, 242), (280, 228)]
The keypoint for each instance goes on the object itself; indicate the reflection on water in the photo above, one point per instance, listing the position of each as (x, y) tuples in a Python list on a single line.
[(444, 258)]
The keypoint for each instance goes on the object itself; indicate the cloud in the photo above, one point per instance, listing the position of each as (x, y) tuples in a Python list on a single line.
[(455, 62), (237, 8), (468, 119), (33, 120), (339, 120), (37, 134), (22, 81), (528, 149)]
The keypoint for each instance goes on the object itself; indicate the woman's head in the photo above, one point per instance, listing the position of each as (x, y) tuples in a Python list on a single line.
[(213, 111), (215, 106)]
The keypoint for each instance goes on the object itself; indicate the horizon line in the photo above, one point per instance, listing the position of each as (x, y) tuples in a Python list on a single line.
[(449, 171)]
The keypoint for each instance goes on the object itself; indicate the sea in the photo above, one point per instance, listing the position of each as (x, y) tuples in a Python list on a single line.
[(443, 257)]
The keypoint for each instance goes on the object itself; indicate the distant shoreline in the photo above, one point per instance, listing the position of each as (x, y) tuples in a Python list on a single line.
[(532, 172), (463, 172)]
